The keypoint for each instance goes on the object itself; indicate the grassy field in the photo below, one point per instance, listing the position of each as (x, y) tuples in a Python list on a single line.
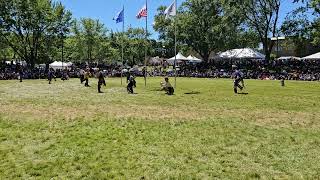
[(204, 131)]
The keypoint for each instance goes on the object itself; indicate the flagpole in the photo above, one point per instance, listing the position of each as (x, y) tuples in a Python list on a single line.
[(122, 46), (145, 51), (175, 47)]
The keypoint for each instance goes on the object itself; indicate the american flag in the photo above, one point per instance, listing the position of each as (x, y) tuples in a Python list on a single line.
[(143, 12)]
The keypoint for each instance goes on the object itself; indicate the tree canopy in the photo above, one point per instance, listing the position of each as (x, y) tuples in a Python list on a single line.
[(32, 27), (205, 26), (41, 31)]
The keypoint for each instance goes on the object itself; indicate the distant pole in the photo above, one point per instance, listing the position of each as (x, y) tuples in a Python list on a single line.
[(175, 48), (277, 46), (145, 51), (122, 54), (62, 44)]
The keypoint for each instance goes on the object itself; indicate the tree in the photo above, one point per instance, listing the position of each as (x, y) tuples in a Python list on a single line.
[(26, 25), (298, 28), (89, 42), (88, 35), (315, 4), (206, 26), (5, 51), (302, 27), (262, 16), (134, 45)]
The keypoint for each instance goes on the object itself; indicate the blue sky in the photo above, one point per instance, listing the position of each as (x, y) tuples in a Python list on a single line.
[(105, 10)]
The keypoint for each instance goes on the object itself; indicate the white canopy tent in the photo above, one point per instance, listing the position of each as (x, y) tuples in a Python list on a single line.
[(313, 57), (245, 53), (289, 58), (23, 63), (194, 59), (60, 65), (179, 58)]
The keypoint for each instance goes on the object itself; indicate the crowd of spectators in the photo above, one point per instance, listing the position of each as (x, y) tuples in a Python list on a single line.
[(305, 70)]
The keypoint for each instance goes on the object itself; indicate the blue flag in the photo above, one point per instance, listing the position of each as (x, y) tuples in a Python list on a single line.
[(119, 17)]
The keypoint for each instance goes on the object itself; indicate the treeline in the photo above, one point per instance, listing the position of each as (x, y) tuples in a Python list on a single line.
[(211, 26), (41, 31)]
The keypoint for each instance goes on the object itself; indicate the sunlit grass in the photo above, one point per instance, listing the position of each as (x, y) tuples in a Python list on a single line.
[(65, 130)]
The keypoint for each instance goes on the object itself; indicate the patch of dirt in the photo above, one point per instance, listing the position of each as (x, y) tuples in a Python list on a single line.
[(275, 119)]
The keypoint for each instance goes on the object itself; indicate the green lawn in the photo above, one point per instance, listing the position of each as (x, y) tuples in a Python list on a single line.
[(204, 131)]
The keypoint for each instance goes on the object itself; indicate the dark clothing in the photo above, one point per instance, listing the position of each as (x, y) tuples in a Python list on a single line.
[(238, 75), (81, 78), (50, 76), (87, 83), (131, 84), (170, 91), (282, 83), (20, 71), (130, 88), (20, 75), (237, 85), (238, 78), (101, 82), (168, 87)]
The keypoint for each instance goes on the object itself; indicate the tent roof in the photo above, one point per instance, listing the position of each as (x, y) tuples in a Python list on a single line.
[(313, 56), (289, 58), (194, 59), (179, 57), (245, 53), (60, 64)]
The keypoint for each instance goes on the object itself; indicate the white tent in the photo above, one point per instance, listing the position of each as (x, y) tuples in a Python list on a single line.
[(179, 58), (194, 59), (23, 63), (245, 53), (289, 58), (60, 65), (313, 57)]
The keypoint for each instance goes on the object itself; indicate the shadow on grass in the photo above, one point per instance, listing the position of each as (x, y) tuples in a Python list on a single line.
[(133, 93), (242, 93), (156, 89), (193, 92)]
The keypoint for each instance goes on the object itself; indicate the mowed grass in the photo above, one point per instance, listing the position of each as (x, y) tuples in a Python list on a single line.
[(204, 131)]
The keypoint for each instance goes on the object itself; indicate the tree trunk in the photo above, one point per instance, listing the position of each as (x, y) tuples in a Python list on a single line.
[(206, 58), (268, 56)]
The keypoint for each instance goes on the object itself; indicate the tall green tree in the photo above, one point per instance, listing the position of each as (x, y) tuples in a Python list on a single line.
[(263, 17), (6, 52), (89, 42), (26, 25), (298, 28), (206, 26), (134, 45), (301, 26), (315, 4)]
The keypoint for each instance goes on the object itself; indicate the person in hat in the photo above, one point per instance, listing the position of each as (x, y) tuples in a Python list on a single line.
[(101, 81), (238, 78), (166, 86)]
